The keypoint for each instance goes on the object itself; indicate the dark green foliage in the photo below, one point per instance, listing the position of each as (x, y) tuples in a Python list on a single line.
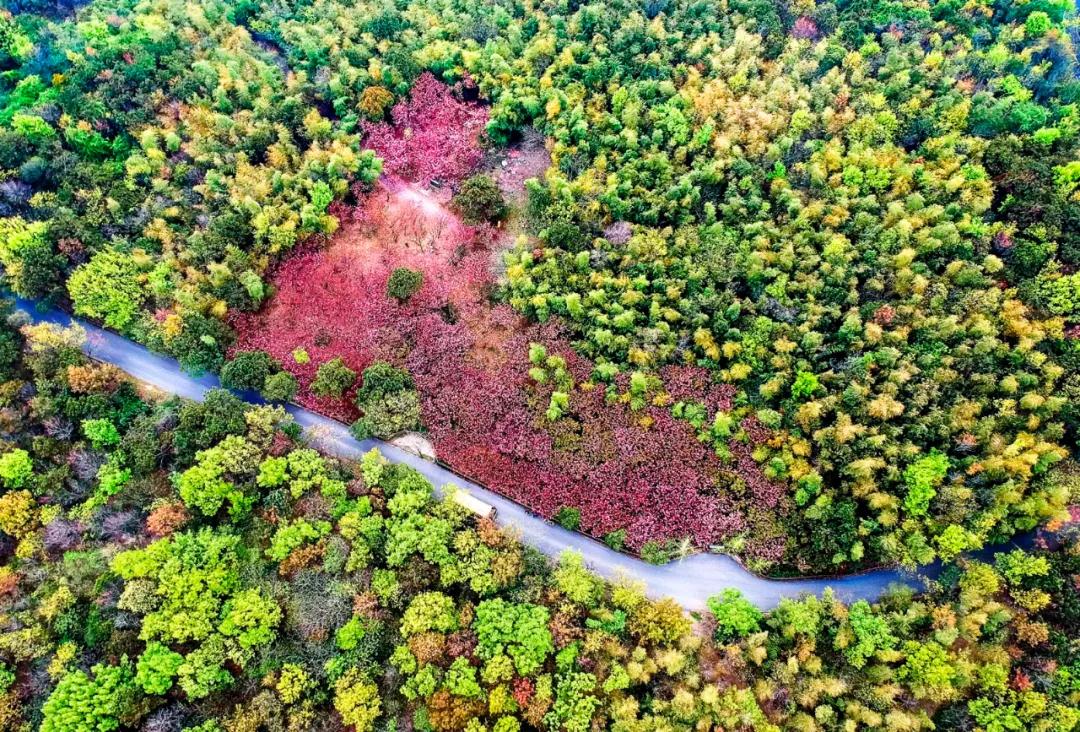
[(280, 387), (656, 552), (380, 379), (616, 539), (10, 342), (201, 346), (248, 370), (333, 379), (404, 283), (388, 401), (201, 425), (479, 201)]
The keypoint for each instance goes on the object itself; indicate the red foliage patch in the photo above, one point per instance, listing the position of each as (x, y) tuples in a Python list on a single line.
[(470, 363), (643, 471), (433, 135)]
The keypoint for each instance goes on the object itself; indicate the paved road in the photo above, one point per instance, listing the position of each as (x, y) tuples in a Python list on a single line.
[(689, 581)]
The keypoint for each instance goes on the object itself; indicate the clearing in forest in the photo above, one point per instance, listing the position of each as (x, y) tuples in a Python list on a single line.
[(634, 476)]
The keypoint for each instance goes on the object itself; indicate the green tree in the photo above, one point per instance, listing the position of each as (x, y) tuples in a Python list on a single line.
[(280, 387), (429, 611), (922, 477), (219, 476), (251, 617), (16, 468), (109, 287), (381, 378), (869, 634), (98, 702), (479, 201), (202, 425), (929, 671), (31, 267), (333, 379), (388, 400), (518, 630), (102, 433), (575, 580), (248, 370), (736, 617), (574, 703), (404, 283), (156, 670)]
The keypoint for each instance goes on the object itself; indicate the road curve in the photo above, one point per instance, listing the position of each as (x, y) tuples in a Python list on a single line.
[(689, 581)]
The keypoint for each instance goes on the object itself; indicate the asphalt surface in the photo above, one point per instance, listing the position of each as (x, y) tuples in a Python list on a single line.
[(689, 581)]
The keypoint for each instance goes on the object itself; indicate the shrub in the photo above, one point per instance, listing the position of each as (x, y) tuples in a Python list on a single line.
[(568, 517), (479, 201), (388, 415), (404, 283), (656, 552), (16, 468), (96, 703), (381, 378), (736, 617), (388, 401), (156, 670), (356, 699), (102, 433), (248, 370), (616, 539), (333, 379), (280, 387)]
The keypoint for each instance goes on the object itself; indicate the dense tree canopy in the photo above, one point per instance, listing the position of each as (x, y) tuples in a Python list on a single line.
[(861, 219), (347, 597)]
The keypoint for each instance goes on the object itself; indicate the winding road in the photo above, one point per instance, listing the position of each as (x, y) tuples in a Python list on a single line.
[(689, 581)]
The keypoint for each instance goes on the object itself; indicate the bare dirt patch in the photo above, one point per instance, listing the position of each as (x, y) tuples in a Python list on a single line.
[(512, 166)]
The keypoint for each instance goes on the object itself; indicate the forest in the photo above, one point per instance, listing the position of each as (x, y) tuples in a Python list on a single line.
[(174, 566), (792, 280), (795, 280)]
